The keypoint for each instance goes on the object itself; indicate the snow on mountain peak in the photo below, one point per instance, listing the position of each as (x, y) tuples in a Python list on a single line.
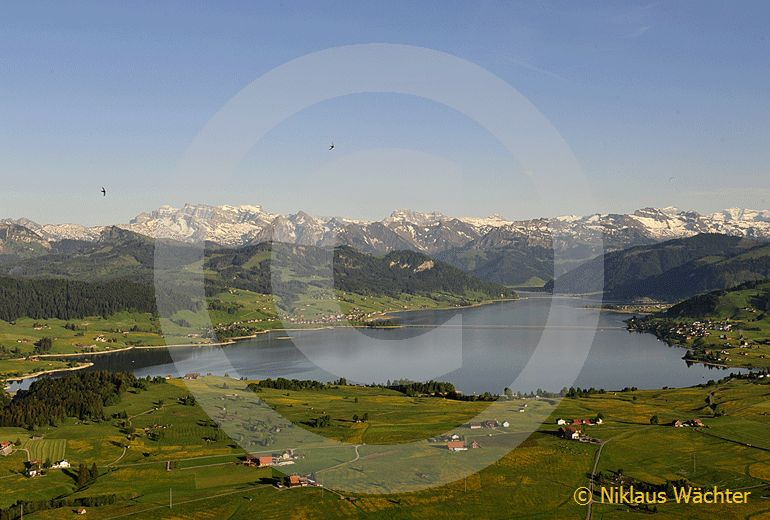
[(233, 225)]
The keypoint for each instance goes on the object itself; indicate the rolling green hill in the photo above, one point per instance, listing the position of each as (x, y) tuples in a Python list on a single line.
[(671, 270), (516, 265), (76, 279), (725, 327), (293, 270), (750, 300)]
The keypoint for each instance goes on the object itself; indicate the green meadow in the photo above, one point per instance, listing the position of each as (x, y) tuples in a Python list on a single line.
[(535, 479)]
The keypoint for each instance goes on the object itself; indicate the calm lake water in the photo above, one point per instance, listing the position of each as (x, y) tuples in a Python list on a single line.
[(537, 342)]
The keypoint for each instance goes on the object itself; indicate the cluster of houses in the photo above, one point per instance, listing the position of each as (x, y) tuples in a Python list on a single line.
[(446, 438), (355, 314), (570, 432), (701, 329), (580, 422), (262, 461), (455, 442), (572, 429), (461, 445), (576, 433), (488, 424), (34, 467), (694, 423), (302, 481)]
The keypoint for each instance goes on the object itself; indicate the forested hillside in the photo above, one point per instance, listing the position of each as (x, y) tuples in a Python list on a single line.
[(290, 270), (79, 279), (672, 270), (68, 299), (49, 400)]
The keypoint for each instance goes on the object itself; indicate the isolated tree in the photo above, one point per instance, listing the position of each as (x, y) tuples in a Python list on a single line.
[(82, 475), (44, 345), (654, 419), (93, 472)]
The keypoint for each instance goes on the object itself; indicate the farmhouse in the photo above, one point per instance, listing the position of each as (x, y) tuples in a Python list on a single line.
[(569, 432), (6, 447), (32, 469), (456, 446), (301, 481), (62, 464)]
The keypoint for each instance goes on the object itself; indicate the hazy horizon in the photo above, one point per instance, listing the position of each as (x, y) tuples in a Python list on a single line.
[(271, 211), (662, 104)]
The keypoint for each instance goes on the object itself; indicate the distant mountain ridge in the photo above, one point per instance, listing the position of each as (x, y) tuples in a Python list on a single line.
[(494, 248), (426, 232)]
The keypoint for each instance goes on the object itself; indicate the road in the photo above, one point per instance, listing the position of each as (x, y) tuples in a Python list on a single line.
[(593, 474)]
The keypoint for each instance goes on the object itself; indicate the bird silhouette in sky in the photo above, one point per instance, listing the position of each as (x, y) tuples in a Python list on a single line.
[(331, 146), (104, 192)]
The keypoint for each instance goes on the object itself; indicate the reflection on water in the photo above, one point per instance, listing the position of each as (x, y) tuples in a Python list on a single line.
[(478, 349)]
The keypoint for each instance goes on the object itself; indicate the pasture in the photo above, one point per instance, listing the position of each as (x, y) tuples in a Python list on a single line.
[(538, 476)]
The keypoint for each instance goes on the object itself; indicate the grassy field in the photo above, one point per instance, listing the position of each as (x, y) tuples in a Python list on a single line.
[(17, 367), (536, 479)]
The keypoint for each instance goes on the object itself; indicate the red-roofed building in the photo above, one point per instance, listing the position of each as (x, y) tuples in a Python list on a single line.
[(6, 448), (456, 446), (265, 460)]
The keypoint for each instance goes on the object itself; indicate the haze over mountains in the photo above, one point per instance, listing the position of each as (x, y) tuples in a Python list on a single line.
[(494, 249), (406, 229)]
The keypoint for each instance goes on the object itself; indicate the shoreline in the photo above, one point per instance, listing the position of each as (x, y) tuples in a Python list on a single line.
[(233, 340), (45, 372), (285, 331)]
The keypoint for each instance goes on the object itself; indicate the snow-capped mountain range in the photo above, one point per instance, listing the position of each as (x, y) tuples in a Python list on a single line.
[(405, 229)]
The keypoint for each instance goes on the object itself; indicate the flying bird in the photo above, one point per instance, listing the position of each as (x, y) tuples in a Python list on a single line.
[(331, 146), (104, 192)]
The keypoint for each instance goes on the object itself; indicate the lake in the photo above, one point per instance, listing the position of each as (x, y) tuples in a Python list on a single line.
[(536, 342)]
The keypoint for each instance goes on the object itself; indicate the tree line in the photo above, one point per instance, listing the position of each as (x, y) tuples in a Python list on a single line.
[(69, 299), (49, 400)]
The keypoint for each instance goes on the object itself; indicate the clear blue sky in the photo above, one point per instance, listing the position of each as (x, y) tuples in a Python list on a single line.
[(663, 103)]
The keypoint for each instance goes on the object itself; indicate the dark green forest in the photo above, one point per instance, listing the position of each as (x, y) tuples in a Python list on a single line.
[(68, 299), (49, 400)]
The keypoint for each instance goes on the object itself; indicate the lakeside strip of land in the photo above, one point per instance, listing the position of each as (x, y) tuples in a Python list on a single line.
[(386, 315), (39, 373)]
